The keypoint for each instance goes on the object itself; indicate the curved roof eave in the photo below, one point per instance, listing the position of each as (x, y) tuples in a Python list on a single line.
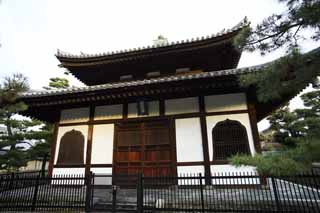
[(83, 57)]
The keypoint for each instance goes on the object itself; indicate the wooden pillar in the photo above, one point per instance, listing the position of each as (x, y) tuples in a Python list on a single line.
[(204, 136), (125, 110), (162, 107), (53, 148), (254, 127), (89, 141)]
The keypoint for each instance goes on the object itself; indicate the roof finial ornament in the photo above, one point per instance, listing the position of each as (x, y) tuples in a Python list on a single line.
[(160, 41)]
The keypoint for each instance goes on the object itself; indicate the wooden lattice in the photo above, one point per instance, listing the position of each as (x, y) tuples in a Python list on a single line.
[(229, 137)]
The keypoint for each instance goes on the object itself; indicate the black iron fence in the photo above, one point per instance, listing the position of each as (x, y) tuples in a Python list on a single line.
[(227, 192), (232, 192), (7, 180), (42, 193)]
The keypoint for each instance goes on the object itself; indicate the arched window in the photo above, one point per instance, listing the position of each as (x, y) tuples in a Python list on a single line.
[(229, 137), (71, 148)]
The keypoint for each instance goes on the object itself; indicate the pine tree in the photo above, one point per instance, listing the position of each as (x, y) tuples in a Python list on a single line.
[(41, 149), (299, 129), (17, 132), (57, 83), (284, 29), (290, 127)]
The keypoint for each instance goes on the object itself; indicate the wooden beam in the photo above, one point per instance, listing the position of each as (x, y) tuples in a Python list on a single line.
[(254, 127), (161, 107), (204, 135), (53, 148), (89, 141), (174, 147), (125, 110)]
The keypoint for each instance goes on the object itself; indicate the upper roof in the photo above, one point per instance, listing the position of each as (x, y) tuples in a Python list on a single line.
[(208, 53)]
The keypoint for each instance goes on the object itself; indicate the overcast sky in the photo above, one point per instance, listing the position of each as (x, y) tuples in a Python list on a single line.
[(31, 31)]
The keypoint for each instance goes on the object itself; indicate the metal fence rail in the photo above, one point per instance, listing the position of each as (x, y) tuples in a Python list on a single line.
[(41, 193), (230, 192), (227, 192)]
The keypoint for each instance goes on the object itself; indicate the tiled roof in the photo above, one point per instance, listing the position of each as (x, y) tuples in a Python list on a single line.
[(190, 76), (237, 27)]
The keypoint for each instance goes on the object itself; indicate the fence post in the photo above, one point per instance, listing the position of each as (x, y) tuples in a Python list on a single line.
[(201, 193), (140, 194), (88, 184), (114, 197), (276, 195), (11, 181), (35, 193)]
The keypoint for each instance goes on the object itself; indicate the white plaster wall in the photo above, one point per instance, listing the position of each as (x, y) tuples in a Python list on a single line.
[(229, 170), (102, 144), (190, 170), (108, 112), (243, 118), (226, 102), (62, 130), (68, 171), (181, 105), (102, 176), (153, 109), (183, 170), (188, 140), (74, 115)]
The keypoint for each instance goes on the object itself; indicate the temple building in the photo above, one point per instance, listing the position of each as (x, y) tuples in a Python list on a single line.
[(165, 109)]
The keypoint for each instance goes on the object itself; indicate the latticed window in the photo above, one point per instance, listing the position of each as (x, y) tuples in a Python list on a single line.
[(229, 137), (71, 148)]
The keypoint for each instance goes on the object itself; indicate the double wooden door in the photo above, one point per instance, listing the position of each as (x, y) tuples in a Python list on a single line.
[(144, 147)]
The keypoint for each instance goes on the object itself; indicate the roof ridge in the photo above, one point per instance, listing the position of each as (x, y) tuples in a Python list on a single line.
[(243, 23)]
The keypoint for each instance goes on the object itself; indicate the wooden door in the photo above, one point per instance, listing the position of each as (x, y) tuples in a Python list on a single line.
[(143, 147)]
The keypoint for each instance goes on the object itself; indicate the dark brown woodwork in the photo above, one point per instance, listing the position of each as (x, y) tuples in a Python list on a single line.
[(101, 165), (53, 148), (191, 163), (151, 118), (69, 166), (254, 127), (143, 147), (47, 107), (204, 136), (89, 140), (174, 146), (71, 148), (125, 110), (161, 107), (229, 137)]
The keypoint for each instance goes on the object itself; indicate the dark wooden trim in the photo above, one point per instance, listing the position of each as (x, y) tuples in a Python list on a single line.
[(115, 141), (53, 148), (191, 163), (89, 141), (125, 110), (69, 166), (162, 107), (219, 162), (204, 136), (254, 127), (174, 146), (177, 116), (227, 112), (108, 165)]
